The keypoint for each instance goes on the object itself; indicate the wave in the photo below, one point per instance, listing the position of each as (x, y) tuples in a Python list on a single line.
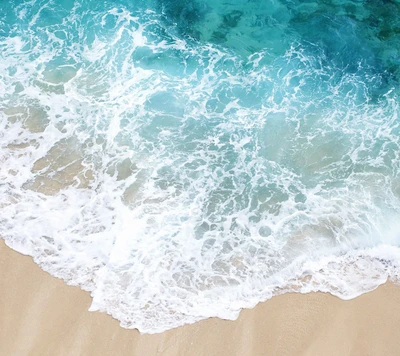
[(187, 161)]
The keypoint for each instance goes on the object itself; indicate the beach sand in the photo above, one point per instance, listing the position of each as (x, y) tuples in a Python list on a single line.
[(41, 315)]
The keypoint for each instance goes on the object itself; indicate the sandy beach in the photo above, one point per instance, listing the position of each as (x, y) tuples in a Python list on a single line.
[(183, 159), (41, 315)]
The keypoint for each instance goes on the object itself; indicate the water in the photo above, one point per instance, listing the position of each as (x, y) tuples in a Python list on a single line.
[(183, 160)]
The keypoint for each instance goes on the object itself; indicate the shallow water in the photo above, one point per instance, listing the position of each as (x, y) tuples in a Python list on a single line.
[(186, 160)]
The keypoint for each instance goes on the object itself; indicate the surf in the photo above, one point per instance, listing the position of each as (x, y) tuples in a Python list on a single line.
[(185, 161)]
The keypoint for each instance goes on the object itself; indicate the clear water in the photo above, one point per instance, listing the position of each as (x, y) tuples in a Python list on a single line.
[(182, 160)]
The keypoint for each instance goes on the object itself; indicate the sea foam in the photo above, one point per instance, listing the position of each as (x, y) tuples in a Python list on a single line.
[(184, 162)]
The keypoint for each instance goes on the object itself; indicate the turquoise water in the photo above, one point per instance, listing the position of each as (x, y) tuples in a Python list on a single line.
[(186, 160)]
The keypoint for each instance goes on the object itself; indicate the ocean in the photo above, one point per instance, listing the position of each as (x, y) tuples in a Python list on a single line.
[(182, 160)]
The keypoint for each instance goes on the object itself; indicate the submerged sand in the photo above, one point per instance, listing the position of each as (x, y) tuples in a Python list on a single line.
[(41, 315)]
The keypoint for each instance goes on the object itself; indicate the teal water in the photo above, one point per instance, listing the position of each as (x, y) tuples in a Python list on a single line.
[(186, 160)]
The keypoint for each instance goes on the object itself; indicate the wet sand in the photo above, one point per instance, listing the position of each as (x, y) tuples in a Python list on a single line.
[(41, 315)]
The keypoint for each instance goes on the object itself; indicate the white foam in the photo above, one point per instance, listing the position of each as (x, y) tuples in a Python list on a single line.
[(178, 181)]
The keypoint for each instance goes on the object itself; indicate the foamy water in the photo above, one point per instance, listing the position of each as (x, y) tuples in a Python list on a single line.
[(183, 161)]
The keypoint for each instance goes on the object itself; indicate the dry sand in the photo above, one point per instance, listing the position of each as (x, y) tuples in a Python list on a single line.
[(41, 315)]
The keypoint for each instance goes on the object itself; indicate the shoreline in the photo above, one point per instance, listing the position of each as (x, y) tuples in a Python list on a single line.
[(41, 315)]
